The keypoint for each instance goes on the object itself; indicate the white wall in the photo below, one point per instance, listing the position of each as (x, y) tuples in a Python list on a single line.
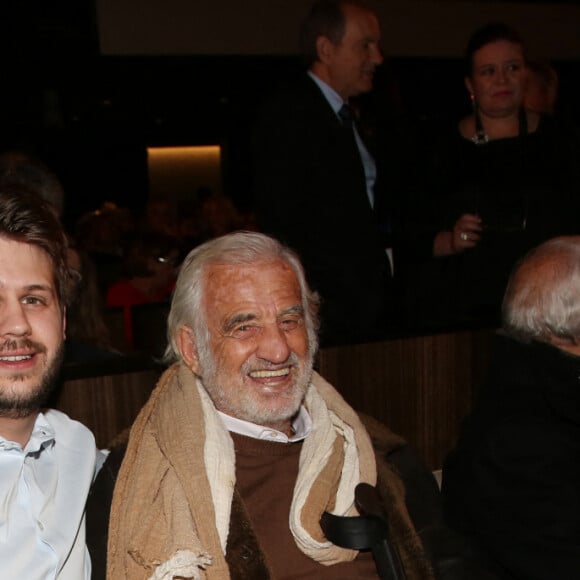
[(437, 28)]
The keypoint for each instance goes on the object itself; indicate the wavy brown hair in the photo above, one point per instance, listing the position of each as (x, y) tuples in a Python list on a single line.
[(26, 217)]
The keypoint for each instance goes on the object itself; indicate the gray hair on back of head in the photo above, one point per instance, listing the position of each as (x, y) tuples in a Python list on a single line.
[(236, 249), (543, 294)]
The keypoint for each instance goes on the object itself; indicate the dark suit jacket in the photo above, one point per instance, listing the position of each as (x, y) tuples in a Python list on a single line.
[(310, 192)]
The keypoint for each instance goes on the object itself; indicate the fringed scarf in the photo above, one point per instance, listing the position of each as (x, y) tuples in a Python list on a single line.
[(172, 503)]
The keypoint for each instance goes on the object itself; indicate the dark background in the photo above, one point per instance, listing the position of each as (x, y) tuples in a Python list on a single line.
[(91, 117)]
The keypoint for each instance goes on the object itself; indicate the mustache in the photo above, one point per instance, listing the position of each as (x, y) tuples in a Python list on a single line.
[(11, 345)]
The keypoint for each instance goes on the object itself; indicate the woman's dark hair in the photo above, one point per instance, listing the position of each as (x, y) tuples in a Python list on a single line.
[(491, 32)]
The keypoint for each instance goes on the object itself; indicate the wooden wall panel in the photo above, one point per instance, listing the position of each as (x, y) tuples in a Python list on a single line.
[(106, 404), (421, 387)]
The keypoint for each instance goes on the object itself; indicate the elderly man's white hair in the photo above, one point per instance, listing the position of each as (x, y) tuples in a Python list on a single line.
[(543, 295), (237, 249)]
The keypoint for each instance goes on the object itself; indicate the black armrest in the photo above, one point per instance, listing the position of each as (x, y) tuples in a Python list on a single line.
[(369, 531)]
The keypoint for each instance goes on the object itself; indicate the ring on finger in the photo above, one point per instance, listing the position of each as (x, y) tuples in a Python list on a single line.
[(464, 236)]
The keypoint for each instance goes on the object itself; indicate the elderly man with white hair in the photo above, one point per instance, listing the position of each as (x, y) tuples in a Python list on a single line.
[(242, 447), (513, 482)]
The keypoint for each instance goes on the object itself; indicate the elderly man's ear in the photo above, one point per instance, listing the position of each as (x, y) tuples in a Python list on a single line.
[(565, 344), (187, 346)]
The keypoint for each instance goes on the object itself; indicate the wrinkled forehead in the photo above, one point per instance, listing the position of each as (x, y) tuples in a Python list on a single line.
[(254, 272), (256, 282)]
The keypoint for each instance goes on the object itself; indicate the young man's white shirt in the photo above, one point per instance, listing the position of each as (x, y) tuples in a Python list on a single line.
[(43, 491)]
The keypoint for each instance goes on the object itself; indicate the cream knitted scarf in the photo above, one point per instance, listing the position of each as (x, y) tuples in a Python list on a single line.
[(172, 502)]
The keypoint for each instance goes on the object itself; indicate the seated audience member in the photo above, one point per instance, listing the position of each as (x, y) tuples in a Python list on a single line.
[(24, 171), (160, 216), (242, 447), (149, 262), (189, 225), (87, 335), (219, 215), (513, 482), (47, 461), (102, 233), (541, 92)]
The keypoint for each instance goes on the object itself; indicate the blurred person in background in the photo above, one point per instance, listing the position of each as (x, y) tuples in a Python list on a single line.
[(219, 216), (102, 234), (88, 337), (502, 181), (541, 88), (150, 261), (23, 170)]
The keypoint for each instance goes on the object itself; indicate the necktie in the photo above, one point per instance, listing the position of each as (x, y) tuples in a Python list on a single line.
[(346, 116)]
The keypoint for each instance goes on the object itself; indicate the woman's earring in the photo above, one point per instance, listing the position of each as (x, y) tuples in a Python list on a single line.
[(480, 136)]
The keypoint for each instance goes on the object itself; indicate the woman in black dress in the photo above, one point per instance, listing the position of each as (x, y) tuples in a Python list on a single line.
[(504, 180)]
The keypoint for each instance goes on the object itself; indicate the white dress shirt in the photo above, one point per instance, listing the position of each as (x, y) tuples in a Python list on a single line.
[(43, 490), (302, 425)]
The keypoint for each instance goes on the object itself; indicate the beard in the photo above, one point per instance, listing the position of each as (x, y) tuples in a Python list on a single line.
[(17, 405), (248, 405)]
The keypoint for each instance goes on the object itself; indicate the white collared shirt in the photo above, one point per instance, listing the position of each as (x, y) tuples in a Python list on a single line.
[(370, 168), (43, 490), (302, 425)]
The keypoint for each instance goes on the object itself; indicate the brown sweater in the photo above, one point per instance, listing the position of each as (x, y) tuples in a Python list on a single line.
[(265, 476)]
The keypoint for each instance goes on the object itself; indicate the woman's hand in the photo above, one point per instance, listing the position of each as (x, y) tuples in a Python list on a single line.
[(466, 234)]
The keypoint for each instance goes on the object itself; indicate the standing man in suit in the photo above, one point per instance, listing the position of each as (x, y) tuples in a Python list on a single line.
[(315, 178)]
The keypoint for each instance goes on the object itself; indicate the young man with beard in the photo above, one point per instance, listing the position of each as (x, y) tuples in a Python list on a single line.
[(242, 446), (47, 461)]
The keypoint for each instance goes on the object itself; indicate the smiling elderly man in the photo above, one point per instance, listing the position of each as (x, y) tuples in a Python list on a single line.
[(242, 447)]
